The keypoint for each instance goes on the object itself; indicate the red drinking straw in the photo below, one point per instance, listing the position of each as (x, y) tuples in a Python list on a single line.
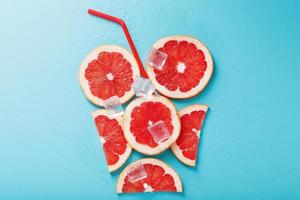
[(127, 34)]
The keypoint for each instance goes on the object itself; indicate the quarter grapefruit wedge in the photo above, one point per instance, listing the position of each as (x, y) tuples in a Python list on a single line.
[(186, 146), (141, 114), (158, 177), (187, 69), (114, 144), (107, 71)]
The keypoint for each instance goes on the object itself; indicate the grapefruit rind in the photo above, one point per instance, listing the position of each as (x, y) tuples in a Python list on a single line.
[(93, 55), (174, 147), (162, 146), (177, 94), (154, 161), (122, 158)]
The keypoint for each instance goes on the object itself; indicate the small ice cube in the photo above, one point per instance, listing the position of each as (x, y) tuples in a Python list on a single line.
[(159, 131), (137, 173), (156, 58), (143, 87), (113, 106)]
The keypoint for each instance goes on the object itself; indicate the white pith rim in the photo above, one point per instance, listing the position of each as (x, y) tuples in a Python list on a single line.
[(177, 94), (161, 146), (174, 147), (123, 157), (167, 168), (93, 55)]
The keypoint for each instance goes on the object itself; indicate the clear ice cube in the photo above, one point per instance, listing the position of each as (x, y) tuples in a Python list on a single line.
[(156, 58), (159, 131), (143, 87), (113, 106), (136, 173)]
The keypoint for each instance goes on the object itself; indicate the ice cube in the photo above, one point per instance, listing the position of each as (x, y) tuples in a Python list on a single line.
[(113, 106), (156, 58), (159, 131), (136, 173), (143, 87)]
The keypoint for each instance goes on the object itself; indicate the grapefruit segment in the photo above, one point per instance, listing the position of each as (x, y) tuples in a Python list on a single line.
[(187, 69), (157, 177), (186, 146), (140, 116), (108, 71), (114, 144)]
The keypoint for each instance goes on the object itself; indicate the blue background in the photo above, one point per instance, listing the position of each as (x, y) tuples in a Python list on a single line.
[(49, 147)]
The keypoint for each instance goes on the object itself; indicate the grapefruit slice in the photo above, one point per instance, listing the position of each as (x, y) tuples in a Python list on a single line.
[(187, 69), (141, 114), (114, 144), (159, 177), (186, 146), (107, 71)]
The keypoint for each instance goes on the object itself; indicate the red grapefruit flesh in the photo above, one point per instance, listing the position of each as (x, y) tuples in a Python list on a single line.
[(107, 71), (142, 113), (159, 178), (186, 146), (187, 70), (114, 144)]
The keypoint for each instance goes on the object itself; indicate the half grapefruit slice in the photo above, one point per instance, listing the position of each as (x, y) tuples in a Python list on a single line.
[(107, 71), (157, 176), (187, 69), (151, 125), (186, 146), (114, 144)]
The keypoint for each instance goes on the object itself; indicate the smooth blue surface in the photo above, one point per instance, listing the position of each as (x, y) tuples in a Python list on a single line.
[(49, 148)]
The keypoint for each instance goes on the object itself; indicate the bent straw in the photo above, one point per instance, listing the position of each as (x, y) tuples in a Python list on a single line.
[(127, 34)]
